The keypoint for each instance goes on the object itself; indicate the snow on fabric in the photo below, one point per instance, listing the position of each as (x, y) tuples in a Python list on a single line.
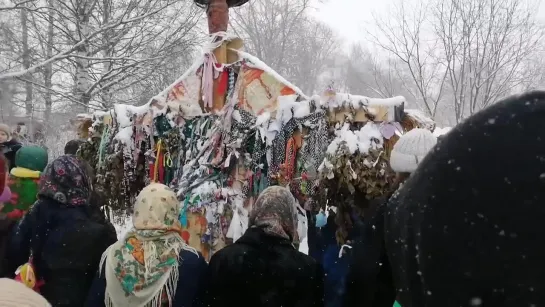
[(341, 100), (359, 141), (262, 102), (441, 131), (422, 118), (368, 137)]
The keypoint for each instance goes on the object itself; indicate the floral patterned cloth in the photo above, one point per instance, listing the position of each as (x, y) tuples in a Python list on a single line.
[(142, 268), (274, 212), (65, 180)]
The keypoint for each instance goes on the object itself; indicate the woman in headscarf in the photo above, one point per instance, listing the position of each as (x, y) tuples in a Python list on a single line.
[(151, 266), (263, 268), (61, 235)]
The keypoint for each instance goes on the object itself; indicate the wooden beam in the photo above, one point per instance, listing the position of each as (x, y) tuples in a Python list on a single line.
[(218, 20), (338, 115)]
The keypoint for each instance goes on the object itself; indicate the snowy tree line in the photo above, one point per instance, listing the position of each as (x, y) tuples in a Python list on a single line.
[(450, 58), (455, 57)]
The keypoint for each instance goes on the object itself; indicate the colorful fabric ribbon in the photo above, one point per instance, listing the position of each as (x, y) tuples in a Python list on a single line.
[(209, 73)]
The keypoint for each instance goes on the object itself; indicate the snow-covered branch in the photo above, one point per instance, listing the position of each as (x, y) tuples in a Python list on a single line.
[(69, 52), (17, 6)]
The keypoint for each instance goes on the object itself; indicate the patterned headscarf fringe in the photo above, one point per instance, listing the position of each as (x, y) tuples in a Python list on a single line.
[(184, 246), (141, 270), (170, 288)]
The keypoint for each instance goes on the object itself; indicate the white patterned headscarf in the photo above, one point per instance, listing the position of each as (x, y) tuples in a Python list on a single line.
[(142, 268)]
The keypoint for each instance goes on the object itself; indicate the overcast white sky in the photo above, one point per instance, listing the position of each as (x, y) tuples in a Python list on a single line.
[(349, 17)]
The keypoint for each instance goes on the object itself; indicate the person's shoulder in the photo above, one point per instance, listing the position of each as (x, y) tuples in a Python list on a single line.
[(14, 144), (303, 258), (191, 261), (188, 255), (230, 253), (233, 249)]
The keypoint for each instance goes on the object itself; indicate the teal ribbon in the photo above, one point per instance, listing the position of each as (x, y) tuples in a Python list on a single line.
[(102, 145), (257, 182), (263, 184), (183, 214)]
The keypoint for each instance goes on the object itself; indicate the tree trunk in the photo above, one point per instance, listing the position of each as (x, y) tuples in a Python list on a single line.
[(106, 96), (48, 69), (82, 64), (26, 63)]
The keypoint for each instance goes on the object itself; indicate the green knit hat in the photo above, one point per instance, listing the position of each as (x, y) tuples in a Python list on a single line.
[(31, 157)]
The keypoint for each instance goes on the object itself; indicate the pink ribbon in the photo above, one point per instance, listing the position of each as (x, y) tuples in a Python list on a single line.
[(389, 129), (209, 73), (6, 195)]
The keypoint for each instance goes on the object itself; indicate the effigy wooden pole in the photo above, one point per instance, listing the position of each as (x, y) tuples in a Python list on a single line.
[(218, 20)]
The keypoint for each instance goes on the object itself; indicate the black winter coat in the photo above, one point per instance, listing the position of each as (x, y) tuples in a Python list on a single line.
[(369, 281), (6, 226), (67, 244), (260, 270), (9, 149)]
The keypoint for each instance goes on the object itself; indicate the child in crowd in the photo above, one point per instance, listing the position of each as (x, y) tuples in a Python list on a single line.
[(30, 161), (8, 145), (72, 147)]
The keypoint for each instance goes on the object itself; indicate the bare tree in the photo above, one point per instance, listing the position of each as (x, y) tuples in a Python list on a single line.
[(467, 52), (370, 75), (403, 35), (26, 57), (48, 69), (16, 6), (95, 53), (285, 36), (485, 43)]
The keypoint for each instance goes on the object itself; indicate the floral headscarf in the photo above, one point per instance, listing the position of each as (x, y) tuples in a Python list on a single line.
[(274, 212), (65, 180), (142, 269)]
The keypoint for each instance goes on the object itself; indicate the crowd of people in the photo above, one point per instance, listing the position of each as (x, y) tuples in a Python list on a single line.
[(461, 229)]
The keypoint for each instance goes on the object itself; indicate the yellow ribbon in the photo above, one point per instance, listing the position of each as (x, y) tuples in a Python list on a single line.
[(156, 170)]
